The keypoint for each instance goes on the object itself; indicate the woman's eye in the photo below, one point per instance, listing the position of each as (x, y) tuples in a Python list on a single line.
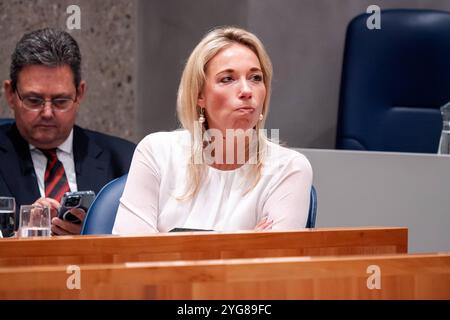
[(257, 77), (226, 79)]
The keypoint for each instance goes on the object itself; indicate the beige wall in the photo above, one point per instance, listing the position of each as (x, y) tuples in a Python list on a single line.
[(107, 41), (305, 39), (134, 52)]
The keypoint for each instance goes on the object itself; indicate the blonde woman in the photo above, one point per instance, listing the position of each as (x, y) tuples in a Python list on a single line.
[(219, 172)]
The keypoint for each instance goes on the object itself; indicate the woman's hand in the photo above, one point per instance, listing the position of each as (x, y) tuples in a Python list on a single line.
[(264, 224)]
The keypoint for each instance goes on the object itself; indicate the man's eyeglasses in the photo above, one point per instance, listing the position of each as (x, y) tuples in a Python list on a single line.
[(37, 103)]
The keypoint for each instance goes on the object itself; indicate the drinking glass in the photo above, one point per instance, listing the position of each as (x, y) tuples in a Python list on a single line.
[(34, 221), (444, 142), (7, 216)]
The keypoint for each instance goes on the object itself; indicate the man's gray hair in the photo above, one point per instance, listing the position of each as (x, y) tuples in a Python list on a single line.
[(48, 47)]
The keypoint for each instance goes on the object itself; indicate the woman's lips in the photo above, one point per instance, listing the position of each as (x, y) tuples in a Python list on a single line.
[(246, 109)]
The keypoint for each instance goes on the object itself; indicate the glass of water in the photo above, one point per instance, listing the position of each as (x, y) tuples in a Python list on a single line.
[(7, 216), (444, 142), (34, 221)]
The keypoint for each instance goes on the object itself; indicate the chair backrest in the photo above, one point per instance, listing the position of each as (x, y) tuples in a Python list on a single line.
[(102, 213), (311, 223), (394, 80), (6, 121)]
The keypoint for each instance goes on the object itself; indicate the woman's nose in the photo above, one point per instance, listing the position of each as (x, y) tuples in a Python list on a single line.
[(245, 90)]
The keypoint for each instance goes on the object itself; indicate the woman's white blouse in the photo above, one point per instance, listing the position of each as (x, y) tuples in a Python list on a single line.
[(157, 179)]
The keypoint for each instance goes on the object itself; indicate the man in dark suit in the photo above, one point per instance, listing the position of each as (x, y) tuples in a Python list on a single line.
[(45, 91)]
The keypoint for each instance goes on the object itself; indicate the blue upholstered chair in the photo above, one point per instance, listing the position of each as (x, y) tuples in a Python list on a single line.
[(311, 223), (6, 121), (102, 213), (393, 82)]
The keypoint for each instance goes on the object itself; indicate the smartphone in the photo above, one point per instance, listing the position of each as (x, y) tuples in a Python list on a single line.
[(77, 199)]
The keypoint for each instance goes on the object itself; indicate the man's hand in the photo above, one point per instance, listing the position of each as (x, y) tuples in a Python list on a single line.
[(62, 227), (59, 226), (51, 203)]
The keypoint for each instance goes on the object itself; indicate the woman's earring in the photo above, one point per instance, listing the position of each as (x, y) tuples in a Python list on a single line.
[(261, 117), (201, 118)]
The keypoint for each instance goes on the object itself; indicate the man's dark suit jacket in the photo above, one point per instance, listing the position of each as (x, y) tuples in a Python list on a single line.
[(98, 158)]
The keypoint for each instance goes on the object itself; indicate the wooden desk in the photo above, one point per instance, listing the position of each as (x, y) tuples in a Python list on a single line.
[(424, 276), (202, 245)]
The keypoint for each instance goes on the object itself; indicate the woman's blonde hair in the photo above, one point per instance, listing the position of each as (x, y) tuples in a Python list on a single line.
[(191, 85)]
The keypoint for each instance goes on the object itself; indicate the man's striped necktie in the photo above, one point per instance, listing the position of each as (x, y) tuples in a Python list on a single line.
[(55, 179)]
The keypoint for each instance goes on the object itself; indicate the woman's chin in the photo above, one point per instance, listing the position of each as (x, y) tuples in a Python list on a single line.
[(245, 125)]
